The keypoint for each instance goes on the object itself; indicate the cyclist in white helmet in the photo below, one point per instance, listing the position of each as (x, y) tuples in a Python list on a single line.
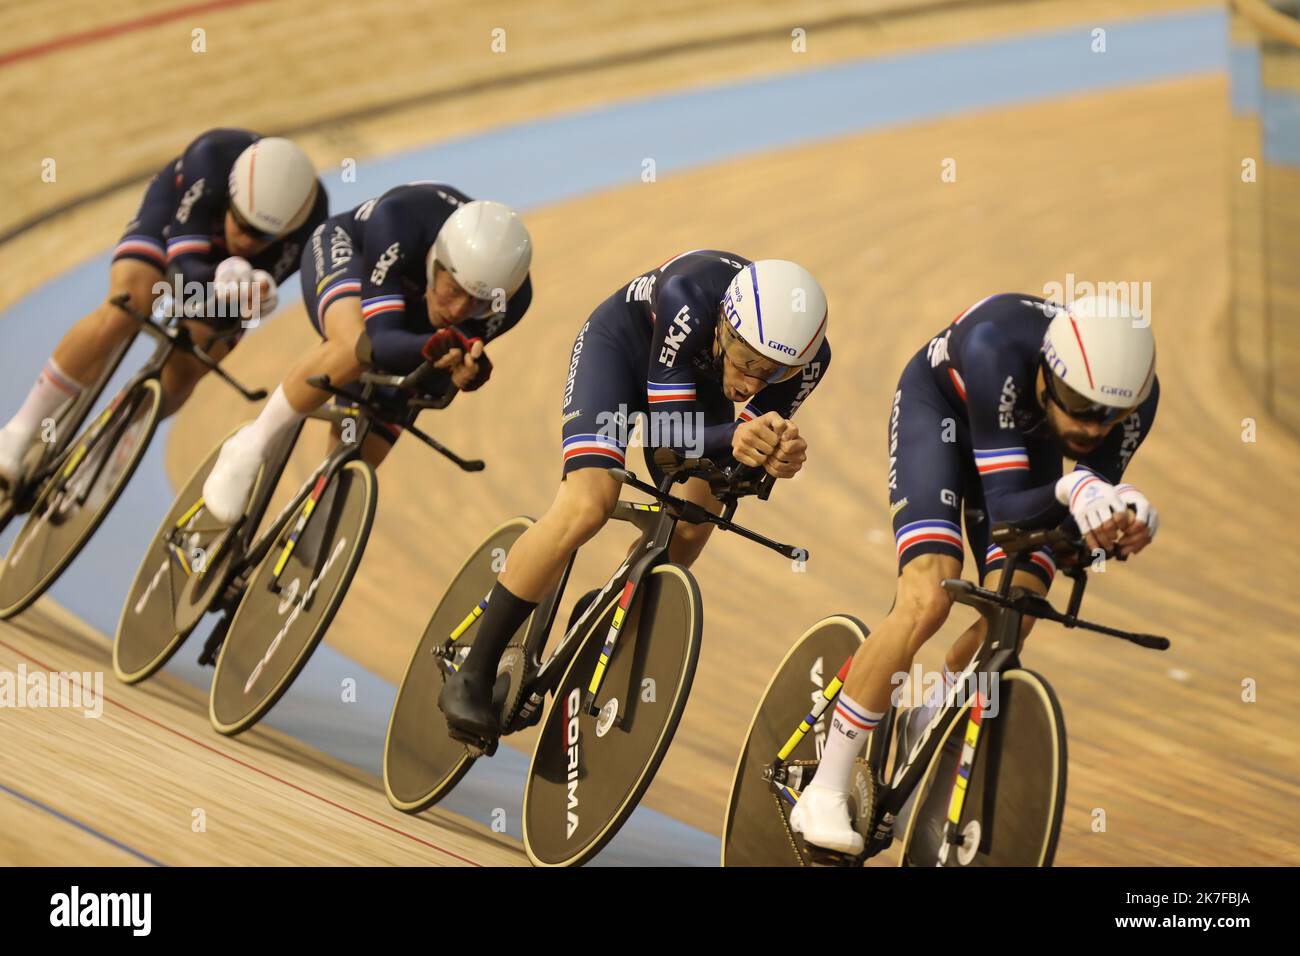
[(229, 217), (422, 272), (679, 346), (984, 415)]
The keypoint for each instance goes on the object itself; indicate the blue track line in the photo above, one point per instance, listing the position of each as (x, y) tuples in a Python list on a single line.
[(81, 826)]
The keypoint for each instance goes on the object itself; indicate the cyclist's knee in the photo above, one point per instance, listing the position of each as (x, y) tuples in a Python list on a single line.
[(139, 281), (344, 365), (585, 502), (923, 606), (688, 543)]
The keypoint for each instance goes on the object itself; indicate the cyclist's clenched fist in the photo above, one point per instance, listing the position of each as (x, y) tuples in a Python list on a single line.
[(770, 442)]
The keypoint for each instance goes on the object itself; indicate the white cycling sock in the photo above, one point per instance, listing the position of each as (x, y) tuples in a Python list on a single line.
[(275, 419), (53, 387), (851, 724)]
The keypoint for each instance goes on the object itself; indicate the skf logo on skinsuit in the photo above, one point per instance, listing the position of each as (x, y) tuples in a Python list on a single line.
[(290, 253), (188, 200), (1132, 436), (291, 594), (1007, 404), (808, 381), (571, 707), (384, 263), (675, 336)]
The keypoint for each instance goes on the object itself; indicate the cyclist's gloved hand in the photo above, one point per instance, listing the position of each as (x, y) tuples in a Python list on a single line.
[(264, 295), (1095, 506), (232, 278), (475, 369), (1146, 520), (439, 344)]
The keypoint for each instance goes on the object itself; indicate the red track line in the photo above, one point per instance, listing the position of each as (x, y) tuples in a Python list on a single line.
[(116, 29), (255, 769)]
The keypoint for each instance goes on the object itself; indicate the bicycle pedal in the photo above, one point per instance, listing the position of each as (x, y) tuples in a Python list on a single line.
[(477, 746), (818, 856)]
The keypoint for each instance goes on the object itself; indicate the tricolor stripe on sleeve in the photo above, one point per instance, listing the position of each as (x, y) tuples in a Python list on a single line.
[(659, 392), (381, 304), (145, 246), (187, 246), (927, 530), (1041, 558), (336, 290), (989, 461), (602, 445)]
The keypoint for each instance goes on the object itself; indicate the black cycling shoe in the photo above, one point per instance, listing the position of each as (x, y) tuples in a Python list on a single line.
[(467, 703)]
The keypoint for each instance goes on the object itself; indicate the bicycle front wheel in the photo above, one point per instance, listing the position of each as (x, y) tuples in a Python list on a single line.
[(78, 497), (1015, 796), (282, 617), (589, 772)]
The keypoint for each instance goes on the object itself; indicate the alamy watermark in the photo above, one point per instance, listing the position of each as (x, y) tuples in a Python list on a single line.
[(1132, 299), (683, 431), (38, 689), (920, 688)]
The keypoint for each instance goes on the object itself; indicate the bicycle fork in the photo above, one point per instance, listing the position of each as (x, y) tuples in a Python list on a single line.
[(961, 780)]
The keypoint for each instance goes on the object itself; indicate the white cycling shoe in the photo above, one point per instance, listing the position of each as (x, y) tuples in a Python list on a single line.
[(13, 449), (822, 816), (230, 483)]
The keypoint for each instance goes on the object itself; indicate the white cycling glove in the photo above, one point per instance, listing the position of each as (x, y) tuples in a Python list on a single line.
[(264, 299), (1091, 499), (239, 288), (1142, 508)]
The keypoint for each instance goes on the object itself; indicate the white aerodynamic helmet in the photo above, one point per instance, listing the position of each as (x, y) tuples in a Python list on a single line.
[(485, 246), (1099, 358), (773, 319), (273, 188)]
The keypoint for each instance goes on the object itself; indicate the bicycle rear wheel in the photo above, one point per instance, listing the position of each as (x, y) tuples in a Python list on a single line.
[(756, 830), (422, 763), (1011, 813), (148, 632)]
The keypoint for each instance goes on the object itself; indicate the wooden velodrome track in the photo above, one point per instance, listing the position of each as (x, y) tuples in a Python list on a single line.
[(1185, 770)]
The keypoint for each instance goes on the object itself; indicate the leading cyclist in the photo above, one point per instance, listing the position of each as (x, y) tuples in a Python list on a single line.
[(683, 343), (984, 414)]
